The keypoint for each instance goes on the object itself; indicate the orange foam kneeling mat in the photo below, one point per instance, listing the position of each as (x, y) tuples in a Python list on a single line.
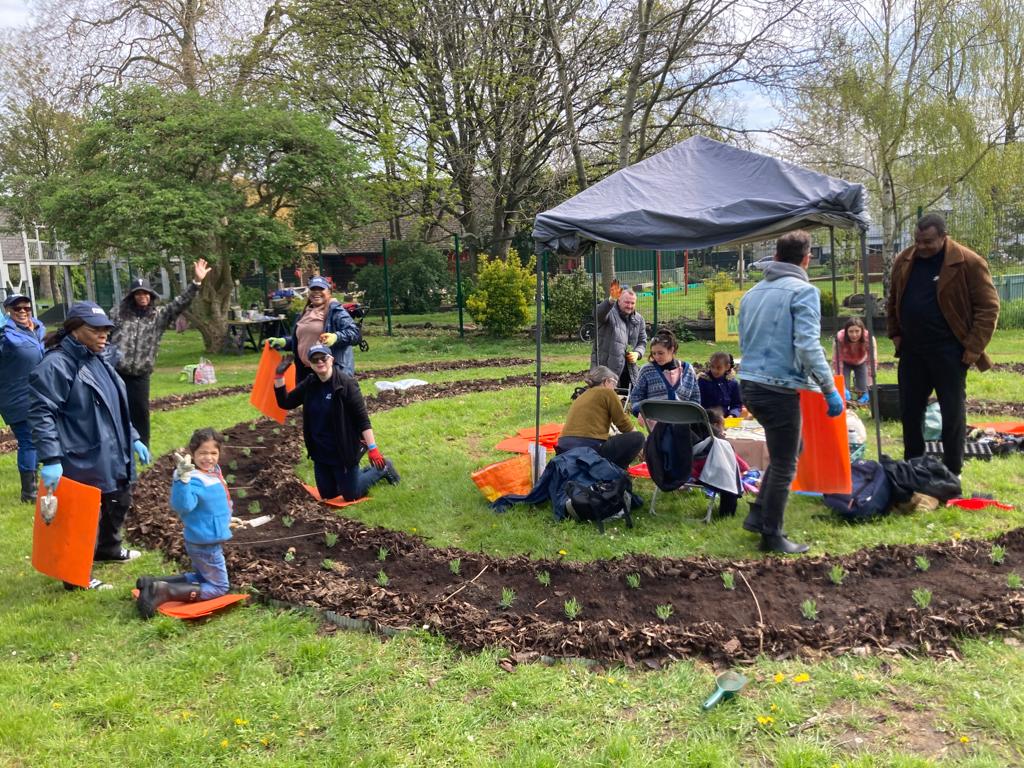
[(338, 501), (187, 611)]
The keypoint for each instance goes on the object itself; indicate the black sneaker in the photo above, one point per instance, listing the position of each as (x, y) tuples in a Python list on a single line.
[(121, 556), (391, 474)]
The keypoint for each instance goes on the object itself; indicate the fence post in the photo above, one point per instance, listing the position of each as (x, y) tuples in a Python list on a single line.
[(458, 286), (657, 285), (387, 284)]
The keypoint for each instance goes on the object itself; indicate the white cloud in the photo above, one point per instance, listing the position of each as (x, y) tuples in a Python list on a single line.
[(13, 13)]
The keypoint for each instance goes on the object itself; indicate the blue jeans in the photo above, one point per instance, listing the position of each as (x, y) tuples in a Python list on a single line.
[(211, 572), (779, 414), (27, 459), (351, 484)]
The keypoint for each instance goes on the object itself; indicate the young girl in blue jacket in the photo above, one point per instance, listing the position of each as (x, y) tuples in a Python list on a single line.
[(718, 386), (200, 497)]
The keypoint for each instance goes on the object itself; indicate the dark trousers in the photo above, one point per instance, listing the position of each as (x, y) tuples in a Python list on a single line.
[(921, 372), (351, 483), (779, 414), (114, 508), (138, 404), (619, 450)]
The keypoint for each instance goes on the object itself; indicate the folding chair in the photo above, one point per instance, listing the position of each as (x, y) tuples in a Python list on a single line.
[(678, 412)]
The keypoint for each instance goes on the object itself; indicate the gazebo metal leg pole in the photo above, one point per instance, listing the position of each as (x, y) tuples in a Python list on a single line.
[(869, 318), (593, 291), (535, 467), (835, 292)]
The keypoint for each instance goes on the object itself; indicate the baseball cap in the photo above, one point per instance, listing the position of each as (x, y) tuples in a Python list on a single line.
[(142, 284), (11, 300), (320, 349), (319, 282), (91, 313)]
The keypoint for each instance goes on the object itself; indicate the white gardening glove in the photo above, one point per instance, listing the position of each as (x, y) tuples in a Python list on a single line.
[(185, 467), (48, 507)]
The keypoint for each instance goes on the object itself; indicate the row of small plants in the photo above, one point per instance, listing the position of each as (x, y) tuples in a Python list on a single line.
[(573, 609)]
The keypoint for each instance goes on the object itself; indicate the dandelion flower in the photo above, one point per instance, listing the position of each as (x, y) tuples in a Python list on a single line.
[(803, 677), (765, 719), (779, 677), (965, 739), (240, 721), (563, 552), (224, 743)]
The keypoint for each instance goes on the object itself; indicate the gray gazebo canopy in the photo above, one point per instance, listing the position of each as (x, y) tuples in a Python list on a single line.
[(697, 194)]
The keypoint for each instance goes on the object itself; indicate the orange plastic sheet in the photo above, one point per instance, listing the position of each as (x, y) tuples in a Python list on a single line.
[(640, 470), (338, 501), (520, 442), (1005, 427), (262, 395), (63, 548), (504, 477), (824, 463), (187, 611)]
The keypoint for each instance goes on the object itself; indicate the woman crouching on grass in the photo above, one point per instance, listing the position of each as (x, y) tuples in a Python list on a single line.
[(336, 428)]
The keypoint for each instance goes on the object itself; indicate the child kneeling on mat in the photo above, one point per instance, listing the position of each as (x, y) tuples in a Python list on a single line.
[(200, 497)]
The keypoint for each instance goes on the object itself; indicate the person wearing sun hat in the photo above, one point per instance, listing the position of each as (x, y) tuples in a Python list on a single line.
[(21, 349), (323, 321), (336, 428), (141, 321), (78, 409)]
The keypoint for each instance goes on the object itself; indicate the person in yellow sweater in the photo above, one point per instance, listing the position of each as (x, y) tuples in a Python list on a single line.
[(590, 417)]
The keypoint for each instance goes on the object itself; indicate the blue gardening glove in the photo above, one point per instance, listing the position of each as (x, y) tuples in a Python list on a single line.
[(141, 451), (276, 342), (835, 403), (51, 474), (846, 395), (865, 398)]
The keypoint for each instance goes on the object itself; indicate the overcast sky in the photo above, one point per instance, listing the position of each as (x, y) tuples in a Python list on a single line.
[(13, 12)]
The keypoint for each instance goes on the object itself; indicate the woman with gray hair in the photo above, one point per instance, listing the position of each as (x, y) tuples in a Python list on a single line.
[(590, 418)]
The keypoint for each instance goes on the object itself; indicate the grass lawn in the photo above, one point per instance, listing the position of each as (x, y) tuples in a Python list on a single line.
[(86, 682)]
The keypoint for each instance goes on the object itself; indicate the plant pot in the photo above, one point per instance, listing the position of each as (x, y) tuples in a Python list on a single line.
[(888, 400)]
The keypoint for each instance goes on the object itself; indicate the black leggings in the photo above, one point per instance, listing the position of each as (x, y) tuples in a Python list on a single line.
[(138, 404), (619, 450)]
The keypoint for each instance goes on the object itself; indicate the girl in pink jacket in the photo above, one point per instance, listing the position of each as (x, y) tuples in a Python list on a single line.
[(850, 355)]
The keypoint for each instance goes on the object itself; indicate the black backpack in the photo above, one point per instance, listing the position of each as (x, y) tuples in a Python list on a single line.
[(604, 500), (871, 494)]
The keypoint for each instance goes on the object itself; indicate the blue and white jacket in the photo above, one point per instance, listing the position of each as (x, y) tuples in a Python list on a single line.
[(780, 332), (20, 352), (651, 384), (204, 506)]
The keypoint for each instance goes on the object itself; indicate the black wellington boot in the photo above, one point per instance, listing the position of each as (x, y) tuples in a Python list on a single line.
[(142, 581), (28, 487), (157, 593), (779, 543)]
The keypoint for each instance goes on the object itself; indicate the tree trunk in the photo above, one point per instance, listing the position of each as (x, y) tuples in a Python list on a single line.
[(606, 254), (209, 311)]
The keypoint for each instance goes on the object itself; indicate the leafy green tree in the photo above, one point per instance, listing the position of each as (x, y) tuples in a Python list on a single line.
[(418, 276), (500, 302), (158, 175), (570, 297)]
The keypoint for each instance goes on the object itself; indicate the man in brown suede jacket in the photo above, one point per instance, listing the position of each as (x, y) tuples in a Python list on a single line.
[(942, 310)]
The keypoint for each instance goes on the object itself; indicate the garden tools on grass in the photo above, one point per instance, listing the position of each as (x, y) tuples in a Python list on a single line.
[(727, 685)]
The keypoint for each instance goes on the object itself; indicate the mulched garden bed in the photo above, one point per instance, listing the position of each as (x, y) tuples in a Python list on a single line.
[(873, 609)]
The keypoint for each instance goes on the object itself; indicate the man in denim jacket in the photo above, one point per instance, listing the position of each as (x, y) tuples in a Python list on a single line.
[(780, 340)]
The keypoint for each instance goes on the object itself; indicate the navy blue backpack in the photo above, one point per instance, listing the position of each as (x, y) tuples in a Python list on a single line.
[(870, 496)]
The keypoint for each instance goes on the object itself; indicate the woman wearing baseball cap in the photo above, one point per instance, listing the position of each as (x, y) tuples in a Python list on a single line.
[(80, 424), (21, 349), (336, 428), (140, 324), (323, 321)]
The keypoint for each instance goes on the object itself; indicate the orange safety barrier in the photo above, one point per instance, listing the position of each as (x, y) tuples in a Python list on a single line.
[(824, 463), (187, 611), (63, 548), (262, 395), (337, 501), (504, 477)]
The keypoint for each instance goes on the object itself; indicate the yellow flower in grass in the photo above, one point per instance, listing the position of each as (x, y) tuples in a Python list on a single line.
[(778, 677), (803, 677), (563, 552), (239, 721), (765, 719), (224, 743), (56, 705), (774, 708), (965, 739)]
